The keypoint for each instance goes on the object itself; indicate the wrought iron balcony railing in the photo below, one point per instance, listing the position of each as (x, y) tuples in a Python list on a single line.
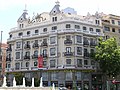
[(68, 42)]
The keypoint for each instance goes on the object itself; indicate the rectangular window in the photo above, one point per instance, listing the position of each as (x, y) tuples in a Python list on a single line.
[(28, 42), (68, 49), (17, 66), (113, 21), (68, 26), (106, 28), (35, 63), (68, 37), (36, 31), (52, 40), (98, 30), (113, 29), (36, 41), (78, 76), (97, 22), (85, 62), (52, 51), (54, 28), (45, 40), (79, 62), (118, 22), (17, 55), (84, 28), (69, 76), (45, 76), (77, 27), (52, 63), (18, 44), (79, 50), (68, 61), (85, 41), (91, 29), (55, 18), (9, 65), (54, 76), (79, 39), (27, 53)]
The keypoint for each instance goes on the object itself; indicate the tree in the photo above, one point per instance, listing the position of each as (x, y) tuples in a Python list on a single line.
[(107, 54), (19, 77)]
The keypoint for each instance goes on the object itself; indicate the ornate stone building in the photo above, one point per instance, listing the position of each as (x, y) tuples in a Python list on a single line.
[(64, 39)]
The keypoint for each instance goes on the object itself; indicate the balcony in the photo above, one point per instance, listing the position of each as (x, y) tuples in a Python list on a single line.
[(93, 44), (86, 54), (34, 56), (44, 55), (86, 43), (35, 45), (44, 44), (68, 42), (9, 49), (69, 66), (68, 53), (8, 59), (27, 57), (27, 46)]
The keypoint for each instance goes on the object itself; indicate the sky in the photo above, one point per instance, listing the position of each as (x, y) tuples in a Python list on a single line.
[(11, 10)]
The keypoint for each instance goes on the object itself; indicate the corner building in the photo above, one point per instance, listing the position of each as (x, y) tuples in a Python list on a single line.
[(64, 39)]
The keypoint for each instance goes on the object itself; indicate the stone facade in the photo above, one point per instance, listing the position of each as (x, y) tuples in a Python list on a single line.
[(66, 42)]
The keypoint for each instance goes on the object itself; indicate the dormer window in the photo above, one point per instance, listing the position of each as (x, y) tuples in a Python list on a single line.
[(54, 28), (21, 25), (20, 34), (68, 26), (97, 22), (28, 32), (84, 28), (77, 27), (98, 30), (44, 29), (36, 31), (10, 36), (54, 19)]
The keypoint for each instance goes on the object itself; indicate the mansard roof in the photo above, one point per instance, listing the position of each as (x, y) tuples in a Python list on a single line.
[(55, 9), (23, 16)]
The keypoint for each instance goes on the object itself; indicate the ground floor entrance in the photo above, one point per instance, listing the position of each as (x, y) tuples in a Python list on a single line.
[(68, 78)]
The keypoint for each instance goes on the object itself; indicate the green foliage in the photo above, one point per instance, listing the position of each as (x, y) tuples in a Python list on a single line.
[(37, 82), (108, 55), (18, 78)]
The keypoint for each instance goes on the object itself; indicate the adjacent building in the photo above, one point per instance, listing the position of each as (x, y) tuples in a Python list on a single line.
[(65, 40), (111, 26), (3, 48)]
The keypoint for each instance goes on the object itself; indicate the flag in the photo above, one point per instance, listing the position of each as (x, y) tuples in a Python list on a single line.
[(40, 61)]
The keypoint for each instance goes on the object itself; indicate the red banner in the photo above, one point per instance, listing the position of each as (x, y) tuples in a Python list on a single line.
[(40, 61)]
